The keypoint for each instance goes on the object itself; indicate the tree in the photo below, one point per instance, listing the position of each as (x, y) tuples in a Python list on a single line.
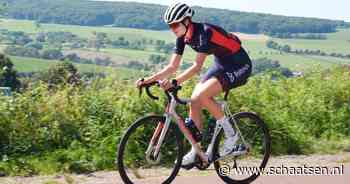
[(18, 37), (271, 44), (37, 24), (52, 54), (72, 57), (137, 45), (286, 48), (105, 61), (8, 76), (264, 64), (35, 45), (61, 73), (41, 37), (135, 15), (156, 59), (3, 8), (120, 43), (102, 38), (22, 51), (135, 65)]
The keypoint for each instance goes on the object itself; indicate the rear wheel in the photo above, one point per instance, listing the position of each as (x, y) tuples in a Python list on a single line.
[(244, 168), (133, 163)]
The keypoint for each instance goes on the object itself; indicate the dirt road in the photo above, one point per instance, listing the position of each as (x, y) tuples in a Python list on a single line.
[(339, 161)]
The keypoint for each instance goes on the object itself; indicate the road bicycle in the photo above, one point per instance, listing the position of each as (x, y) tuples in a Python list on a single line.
[(152, 148)]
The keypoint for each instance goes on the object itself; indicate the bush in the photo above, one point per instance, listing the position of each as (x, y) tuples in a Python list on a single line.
[(35, 45), (52, 54), (76, 129), (8, 76), (157, 59), (60, 37), (22, 51), (61, 74), (263, 65)]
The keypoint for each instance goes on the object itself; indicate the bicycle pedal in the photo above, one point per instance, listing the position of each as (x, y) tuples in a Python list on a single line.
[(201, 165)]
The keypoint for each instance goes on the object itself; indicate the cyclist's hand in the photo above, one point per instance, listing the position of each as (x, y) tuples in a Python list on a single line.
[(140, 82), (165, 84)]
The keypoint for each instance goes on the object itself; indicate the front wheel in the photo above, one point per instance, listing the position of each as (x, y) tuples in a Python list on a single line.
[(255, 138), (137, 160)]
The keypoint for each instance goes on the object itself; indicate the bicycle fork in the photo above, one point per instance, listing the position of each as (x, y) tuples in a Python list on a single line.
[(157, 140), (162, 128)]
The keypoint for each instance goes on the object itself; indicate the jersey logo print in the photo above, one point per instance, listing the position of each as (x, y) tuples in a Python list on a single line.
[(230, 76), (242, 70)]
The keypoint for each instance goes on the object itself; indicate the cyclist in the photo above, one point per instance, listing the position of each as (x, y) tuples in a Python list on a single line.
[(231, 69)]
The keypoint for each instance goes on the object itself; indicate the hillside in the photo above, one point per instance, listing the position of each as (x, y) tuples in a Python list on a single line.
[(148, 16), (254, 43), (71, 67)]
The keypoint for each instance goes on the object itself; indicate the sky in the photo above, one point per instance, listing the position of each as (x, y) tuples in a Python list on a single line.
[(329, 9)]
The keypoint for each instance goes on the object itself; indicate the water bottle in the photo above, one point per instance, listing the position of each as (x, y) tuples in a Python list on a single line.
[(211, 127), (196, 134)]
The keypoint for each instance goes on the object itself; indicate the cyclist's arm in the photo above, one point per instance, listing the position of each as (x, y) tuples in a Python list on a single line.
[(194, 69), (168, 70)]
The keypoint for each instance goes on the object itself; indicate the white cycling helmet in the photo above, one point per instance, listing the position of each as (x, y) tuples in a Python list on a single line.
[(177, 13)]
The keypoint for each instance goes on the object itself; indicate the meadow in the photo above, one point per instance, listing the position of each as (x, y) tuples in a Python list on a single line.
[(77, 128), (256, 45)]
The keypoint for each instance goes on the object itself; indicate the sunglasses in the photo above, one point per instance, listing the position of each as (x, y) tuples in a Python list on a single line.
[(174, 25)]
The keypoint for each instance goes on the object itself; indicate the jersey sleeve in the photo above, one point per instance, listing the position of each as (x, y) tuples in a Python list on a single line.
[(179, 46)]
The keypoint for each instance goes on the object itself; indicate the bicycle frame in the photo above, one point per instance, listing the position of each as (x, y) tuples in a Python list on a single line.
[(162, 128)]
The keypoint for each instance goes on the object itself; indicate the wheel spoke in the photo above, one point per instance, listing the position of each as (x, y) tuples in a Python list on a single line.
[(133, 163), (254, 133)]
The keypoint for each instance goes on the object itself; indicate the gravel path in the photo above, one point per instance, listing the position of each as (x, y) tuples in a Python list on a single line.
[(209, 176)]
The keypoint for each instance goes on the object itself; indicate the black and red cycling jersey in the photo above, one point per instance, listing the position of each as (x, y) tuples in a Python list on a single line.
[(232, 65), (209, 39)]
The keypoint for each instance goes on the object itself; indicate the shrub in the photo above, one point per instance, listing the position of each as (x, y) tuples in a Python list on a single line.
[(76, 129)]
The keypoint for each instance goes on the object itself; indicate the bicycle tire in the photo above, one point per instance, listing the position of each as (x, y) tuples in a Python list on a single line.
[(267, 143), (132, 129)]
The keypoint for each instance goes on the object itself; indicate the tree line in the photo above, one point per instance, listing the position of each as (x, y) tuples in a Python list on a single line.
[(309, 36), (149, 16), (288, 49), (49, 45), (65, 71)]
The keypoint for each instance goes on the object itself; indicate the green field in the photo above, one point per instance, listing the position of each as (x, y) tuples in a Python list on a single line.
[(296, 62), (337, 42), (23, 64), (85, 31)]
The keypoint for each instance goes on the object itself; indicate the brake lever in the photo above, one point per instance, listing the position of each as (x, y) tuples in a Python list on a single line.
[(140, 88), (140, 91)]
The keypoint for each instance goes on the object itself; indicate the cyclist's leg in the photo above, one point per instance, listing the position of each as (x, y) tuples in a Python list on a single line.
[(206, 93), (209, 90), (195, 114), (231, 75), (196, 107), (198, 92)]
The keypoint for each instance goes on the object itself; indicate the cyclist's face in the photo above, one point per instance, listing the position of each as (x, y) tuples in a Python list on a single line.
[(178, 29)]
